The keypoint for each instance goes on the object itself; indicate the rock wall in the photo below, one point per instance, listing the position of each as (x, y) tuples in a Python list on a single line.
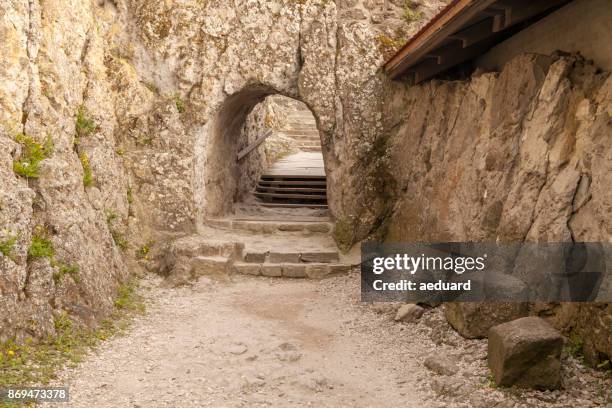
[(520, 155), (144, 102), (53, 65)]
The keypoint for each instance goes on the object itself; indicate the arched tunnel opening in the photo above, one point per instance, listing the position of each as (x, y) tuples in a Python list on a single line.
[(264, 157)]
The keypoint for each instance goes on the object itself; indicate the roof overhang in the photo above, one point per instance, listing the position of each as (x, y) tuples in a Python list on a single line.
[(463, 30)]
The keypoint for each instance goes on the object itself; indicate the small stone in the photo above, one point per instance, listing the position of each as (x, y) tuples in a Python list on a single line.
[(237, 349), (442, 365), (409, 313), (525, 352), (446, 387)]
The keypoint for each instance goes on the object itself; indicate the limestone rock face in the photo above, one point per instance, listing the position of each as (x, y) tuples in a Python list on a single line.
[(526, 353), (161, 91), (519, 155)]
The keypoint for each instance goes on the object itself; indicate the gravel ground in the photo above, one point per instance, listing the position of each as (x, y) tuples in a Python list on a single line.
[(259, 342)]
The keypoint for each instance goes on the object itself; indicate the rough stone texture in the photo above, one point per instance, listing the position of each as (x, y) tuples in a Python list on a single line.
[(409, 313), (293, 270), (282, 257), (246, 269), (473, 320), (319, 257), (255, 257), (217, 267), (526, 353), (442, 365), (271, 270), (519, 155)]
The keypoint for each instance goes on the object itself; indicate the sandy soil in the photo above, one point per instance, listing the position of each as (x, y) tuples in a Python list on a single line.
[(253, 343), (260, 342)]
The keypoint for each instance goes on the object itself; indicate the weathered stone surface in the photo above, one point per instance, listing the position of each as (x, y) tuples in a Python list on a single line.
[(323, 257), (474, 319), (271, 270), (525, 353), (442, 365), (338, 269), (197, 245), (284, 257), (317, 271), (246, 268), (494, 158), (409, 313), (210, 266), (255, 257), (293, 270)]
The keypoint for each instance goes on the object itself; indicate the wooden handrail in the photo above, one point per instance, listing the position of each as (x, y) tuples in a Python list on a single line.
[(253, 145)]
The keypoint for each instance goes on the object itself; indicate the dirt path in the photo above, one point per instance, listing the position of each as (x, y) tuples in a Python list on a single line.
[(255, 342)]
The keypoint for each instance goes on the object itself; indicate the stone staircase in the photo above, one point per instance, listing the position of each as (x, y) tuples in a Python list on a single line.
[(301, 126), (290, 248), (297, 180)]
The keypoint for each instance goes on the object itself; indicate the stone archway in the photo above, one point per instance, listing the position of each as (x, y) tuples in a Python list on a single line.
[(218, 171)]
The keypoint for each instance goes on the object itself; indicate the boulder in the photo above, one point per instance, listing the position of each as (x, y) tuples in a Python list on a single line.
[(409, 313), (473, 320), (526, 353)]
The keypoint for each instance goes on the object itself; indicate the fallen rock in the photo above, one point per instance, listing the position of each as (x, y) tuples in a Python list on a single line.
[(443, 365), (473, 320), (525, 352), (409, 313)]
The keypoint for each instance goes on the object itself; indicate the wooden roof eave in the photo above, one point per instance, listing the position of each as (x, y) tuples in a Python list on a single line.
[(444, 24), (462, 31)]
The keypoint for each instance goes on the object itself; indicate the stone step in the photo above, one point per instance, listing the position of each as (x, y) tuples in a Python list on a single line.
[(303, 136), (307, 140), (269, 227), (300, 126), (284, 196), (293, 133), (311, 149), (286, 190), (280, 183), (251, 256), (217, 266), (289, 205), (291, 270), (195, 245)]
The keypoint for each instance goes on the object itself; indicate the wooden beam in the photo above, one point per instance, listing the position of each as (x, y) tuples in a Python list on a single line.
[(468, 22), (500, 18), (428, 69), (474, 33), (521, 10), (253, 145)]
